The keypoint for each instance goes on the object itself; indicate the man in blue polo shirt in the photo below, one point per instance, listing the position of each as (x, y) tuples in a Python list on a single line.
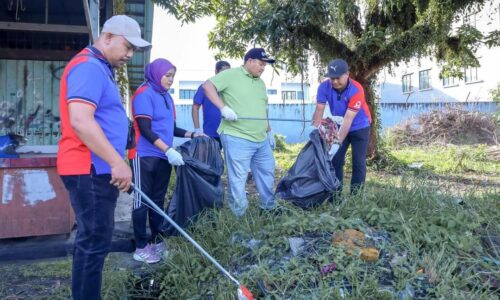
[(346, 99), (90, 158), (211, 114)]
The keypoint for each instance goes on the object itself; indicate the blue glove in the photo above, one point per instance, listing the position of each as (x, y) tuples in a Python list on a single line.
[(270, 138)]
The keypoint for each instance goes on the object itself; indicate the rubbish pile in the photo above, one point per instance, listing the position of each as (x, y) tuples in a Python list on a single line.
[(371, 251), (449, 126)]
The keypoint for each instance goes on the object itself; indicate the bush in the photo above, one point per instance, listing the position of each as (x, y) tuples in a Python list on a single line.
[(495, 93)]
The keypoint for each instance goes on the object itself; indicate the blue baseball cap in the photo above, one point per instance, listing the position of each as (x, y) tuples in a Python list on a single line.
[(258, 53), (337, 68)]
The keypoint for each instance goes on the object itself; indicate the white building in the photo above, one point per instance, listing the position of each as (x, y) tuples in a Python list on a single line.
[(419, 82)]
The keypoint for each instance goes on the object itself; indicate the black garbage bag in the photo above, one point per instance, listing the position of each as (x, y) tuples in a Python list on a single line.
[(311, 180), (199, 184)]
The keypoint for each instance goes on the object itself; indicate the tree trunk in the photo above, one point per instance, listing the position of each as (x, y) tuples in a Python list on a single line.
[(373, 147)]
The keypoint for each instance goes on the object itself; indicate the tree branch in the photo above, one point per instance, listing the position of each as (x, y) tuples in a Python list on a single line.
[(352, 20), (394, 51), (328, 46)]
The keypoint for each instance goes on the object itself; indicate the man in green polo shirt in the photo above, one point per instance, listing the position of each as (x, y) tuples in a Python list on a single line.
[(247, 143)]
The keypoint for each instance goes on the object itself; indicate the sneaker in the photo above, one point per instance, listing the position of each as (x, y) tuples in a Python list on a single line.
[(161, 250), (146, 254)]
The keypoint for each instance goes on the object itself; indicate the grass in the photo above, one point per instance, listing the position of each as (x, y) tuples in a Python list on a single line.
[(465, 160), (429, 220), (436, 234), (435, 228), (46, 279)]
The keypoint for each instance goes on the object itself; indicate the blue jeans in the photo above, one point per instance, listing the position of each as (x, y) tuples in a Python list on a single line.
[(242, 155), (93, 200), (358, 140)]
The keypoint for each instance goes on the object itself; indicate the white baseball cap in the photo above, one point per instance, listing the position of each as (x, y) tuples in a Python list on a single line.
[(128, 28)]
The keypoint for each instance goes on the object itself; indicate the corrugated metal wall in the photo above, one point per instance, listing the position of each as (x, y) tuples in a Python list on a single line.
[(29, 99), (29, 89)]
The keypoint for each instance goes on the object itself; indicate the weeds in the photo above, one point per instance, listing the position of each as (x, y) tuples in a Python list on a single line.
[(437, 235), (429, 223)]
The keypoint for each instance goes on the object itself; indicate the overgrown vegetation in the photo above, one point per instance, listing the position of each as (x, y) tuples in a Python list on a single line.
[(451, 126), (495, 93), (437, 239), (429, 213), (430, 233)]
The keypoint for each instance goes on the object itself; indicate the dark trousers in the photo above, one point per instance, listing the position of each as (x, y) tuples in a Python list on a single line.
[(359, 147), (94, 200), (152, 175)]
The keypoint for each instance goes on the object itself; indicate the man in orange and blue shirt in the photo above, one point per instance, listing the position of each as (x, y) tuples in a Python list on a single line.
[(346, 99), (90, 159)]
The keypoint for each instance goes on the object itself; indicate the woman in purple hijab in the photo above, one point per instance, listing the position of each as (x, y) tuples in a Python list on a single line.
[(153, 110)]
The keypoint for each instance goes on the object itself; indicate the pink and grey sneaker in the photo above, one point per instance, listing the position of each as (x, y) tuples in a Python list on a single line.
[(161, 250), (146, 254)]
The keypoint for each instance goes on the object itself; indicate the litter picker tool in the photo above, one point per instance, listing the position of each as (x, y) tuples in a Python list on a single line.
[(274, 119), (243, 292)]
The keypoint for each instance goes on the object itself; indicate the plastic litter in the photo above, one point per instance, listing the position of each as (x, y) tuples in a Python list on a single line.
[(325, 270), (296, 245)]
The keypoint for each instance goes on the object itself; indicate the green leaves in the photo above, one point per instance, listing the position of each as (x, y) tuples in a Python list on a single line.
[(371, 34)]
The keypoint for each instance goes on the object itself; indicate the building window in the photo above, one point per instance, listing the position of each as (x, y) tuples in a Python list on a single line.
[(272, 92), (407, 86), (471, 74), (450, 81), (288, 95), (171, 91), (186, 94), (294, 91), (424, 82), (292, 95)]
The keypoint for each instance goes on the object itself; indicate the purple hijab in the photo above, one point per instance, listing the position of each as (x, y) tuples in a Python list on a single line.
[(155, 71)]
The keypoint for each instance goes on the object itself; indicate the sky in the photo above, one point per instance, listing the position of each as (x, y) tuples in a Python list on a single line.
[(186, 46)]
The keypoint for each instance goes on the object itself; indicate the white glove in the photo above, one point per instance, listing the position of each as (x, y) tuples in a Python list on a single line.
[(338, 119), (174, 157), (333, 150), (228, 114), (198, 130), (272, 141)]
